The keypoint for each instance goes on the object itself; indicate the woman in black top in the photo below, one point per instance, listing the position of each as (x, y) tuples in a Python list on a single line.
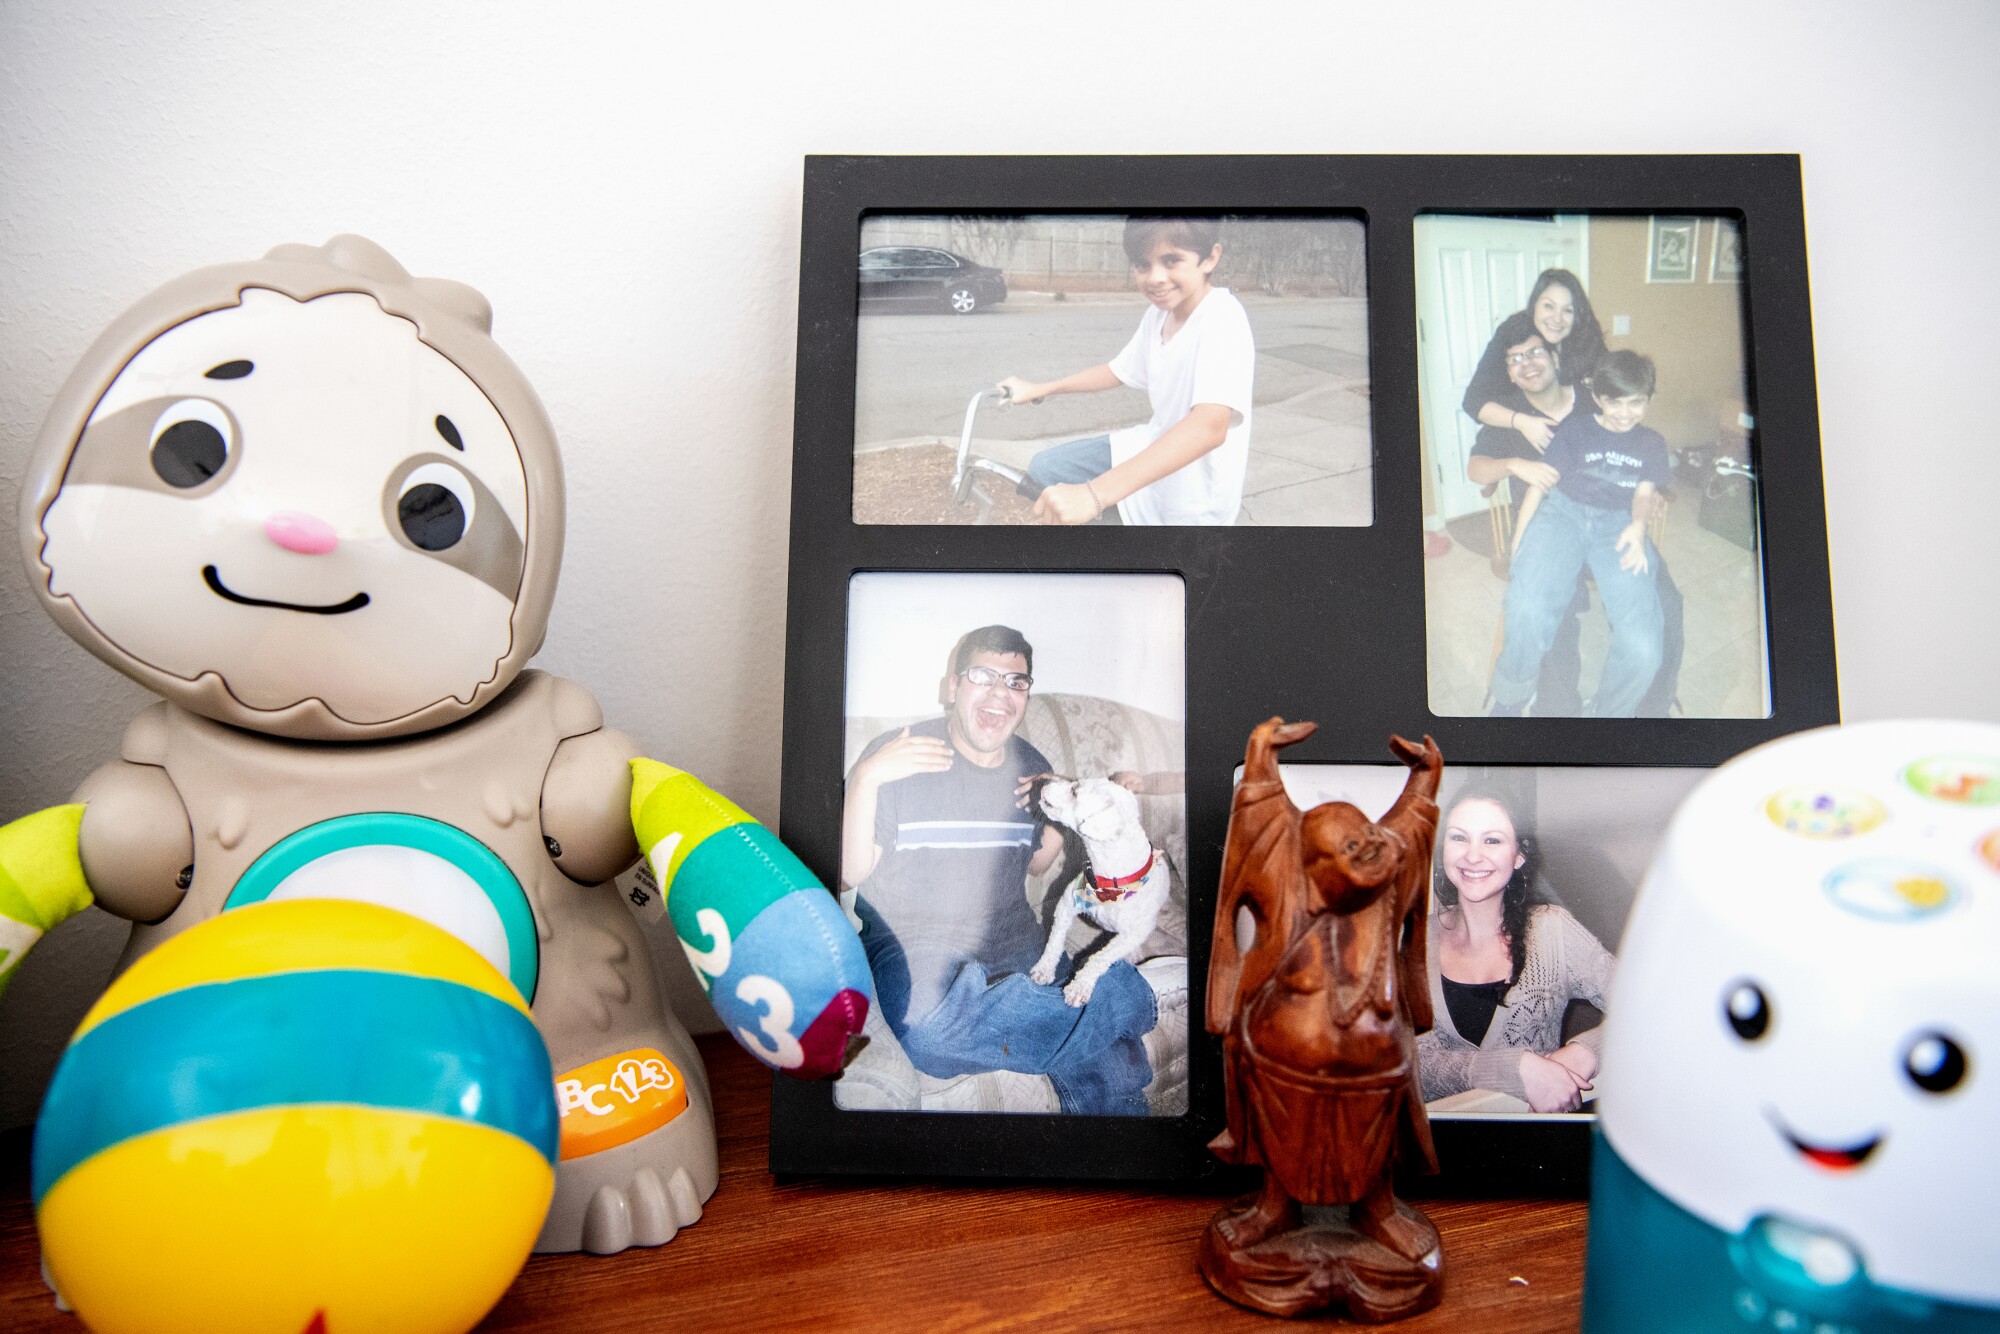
[(1504, 968), (1562, 316)]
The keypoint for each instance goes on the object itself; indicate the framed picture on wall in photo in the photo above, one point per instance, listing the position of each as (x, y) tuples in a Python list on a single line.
[(1725, 257), (1100, 462), (1670, 249)]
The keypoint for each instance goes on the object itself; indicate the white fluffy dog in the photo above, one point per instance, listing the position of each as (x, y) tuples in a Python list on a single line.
[(1123, 888)]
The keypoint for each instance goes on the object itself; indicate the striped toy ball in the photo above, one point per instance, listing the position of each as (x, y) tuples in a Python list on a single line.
[(313, 1114)]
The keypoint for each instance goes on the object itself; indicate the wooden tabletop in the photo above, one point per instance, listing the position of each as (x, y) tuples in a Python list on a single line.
[(831, 1253)]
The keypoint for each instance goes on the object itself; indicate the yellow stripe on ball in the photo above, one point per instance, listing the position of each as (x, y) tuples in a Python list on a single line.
[(299, 935), (383, 1220)]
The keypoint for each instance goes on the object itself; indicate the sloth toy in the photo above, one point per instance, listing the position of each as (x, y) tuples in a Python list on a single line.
[(308, 502)]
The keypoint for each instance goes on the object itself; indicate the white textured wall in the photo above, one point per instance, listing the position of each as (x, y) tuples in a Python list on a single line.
[(623, 183)]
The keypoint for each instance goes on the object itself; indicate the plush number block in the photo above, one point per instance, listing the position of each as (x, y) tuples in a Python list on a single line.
[(780, 962)]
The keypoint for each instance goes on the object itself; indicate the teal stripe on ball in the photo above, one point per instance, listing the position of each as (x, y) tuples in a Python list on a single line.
[(375, 1039)]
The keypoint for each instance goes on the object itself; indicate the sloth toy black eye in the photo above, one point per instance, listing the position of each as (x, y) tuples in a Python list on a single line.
[(191, 442), (431, 516), (435, 507)]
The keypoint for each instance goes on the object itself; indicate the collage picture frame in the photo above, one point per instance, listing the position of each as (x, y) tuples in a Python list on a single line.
[(1360, 584)]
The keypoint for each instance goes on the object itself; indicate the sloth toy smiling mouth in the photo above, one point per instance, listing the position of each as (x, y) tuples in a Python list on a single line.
[(215, 584)]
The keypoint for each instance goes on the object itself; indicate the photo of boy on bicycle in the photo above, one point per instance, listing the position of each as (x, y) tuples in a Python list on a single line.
[(969, 408), (1194, 355)]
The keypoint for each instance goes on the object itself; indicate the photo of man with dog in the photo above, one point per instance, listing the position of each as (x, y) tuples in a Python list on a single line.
[(1024, 919)]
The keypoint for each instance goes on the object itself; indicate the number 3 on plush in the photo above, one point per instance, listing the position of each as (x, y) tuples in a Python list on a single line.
[(775, 1020), (775, 1023)]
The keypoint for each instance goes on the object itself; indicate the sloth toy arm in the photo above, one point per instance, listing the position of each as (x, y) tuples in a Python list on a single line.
[(779, 961)]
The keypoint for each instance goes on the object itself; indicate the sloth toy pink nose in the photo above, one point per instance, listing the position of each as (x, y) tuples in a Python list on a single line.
[(301, 533)]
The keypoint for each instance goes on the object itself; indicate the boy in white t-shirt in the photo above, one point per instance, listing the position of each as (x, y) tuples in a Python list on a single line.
[(1194, 357)]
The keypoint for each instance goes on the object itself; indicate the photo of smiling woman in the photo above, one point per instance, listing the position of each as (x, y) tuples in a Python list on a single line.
[(1560, 315), (1535, 873), (1505, 967)]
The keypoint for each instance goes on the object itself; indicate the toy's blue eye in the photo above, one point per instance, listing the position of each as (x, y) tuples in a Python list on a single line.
[(1747, 1011), (191, 442), (1935, 1063)]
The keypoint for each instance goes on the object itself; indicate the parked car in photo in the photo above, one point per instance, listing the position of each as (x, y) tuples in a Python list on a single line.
[(920, 276)]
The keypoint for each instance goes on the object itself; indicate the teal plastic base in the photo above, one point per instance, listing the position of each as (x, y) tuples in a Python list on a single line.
[(1655, 1268)]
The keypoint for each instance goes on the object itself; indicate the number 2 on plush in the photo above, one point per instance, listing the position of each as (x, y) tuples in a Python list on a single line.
[(773, 1038)]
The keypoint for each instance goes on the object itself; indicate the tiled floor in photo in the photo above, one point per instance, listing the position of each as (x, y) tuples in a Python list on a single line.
[(1722, 673)]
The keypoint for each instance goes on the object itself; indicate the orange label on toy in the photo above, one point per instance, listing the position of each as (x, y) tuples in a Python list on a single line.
[(615, 1100)]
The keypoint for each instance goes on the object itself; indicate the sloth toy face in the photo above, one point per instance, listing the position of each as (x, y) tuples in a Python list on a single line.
[(310, 512)]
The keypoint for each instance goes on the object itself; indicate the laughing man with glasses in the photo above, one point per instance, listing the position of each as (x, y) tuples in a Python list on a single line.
[(937, 846)]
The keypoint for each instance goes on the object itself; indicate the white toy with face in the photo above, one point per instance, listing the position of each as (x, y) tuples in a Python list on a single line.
[(1806, 1036)]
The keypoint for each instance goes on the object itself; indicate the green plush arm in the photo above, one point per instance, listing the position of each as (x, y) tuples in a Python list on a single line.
[(41, 880)]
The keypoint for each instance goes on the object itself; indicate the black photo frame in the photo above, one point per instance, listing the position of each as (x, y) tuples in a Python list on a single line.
[(1317, 623)]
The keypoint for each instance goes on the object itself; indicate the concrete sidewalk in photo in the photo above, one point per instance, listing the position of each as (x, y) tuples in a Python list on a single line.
[(1309, 460), (1310, 450)]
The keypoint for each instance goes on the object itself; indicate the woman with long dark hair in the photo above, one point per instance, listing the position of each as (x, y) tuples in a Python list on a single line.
[(1504, 968), (1562, 315)]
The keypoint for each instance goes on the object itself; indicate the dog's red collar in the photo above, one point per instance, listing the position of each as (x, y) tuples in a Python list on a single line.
[(1107, 885)]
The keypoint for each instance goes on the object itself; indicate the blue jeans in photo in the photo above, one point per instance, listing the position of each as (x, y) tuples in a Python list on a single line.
[(1073, 464), (1562, 539), (1094, 1055)]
